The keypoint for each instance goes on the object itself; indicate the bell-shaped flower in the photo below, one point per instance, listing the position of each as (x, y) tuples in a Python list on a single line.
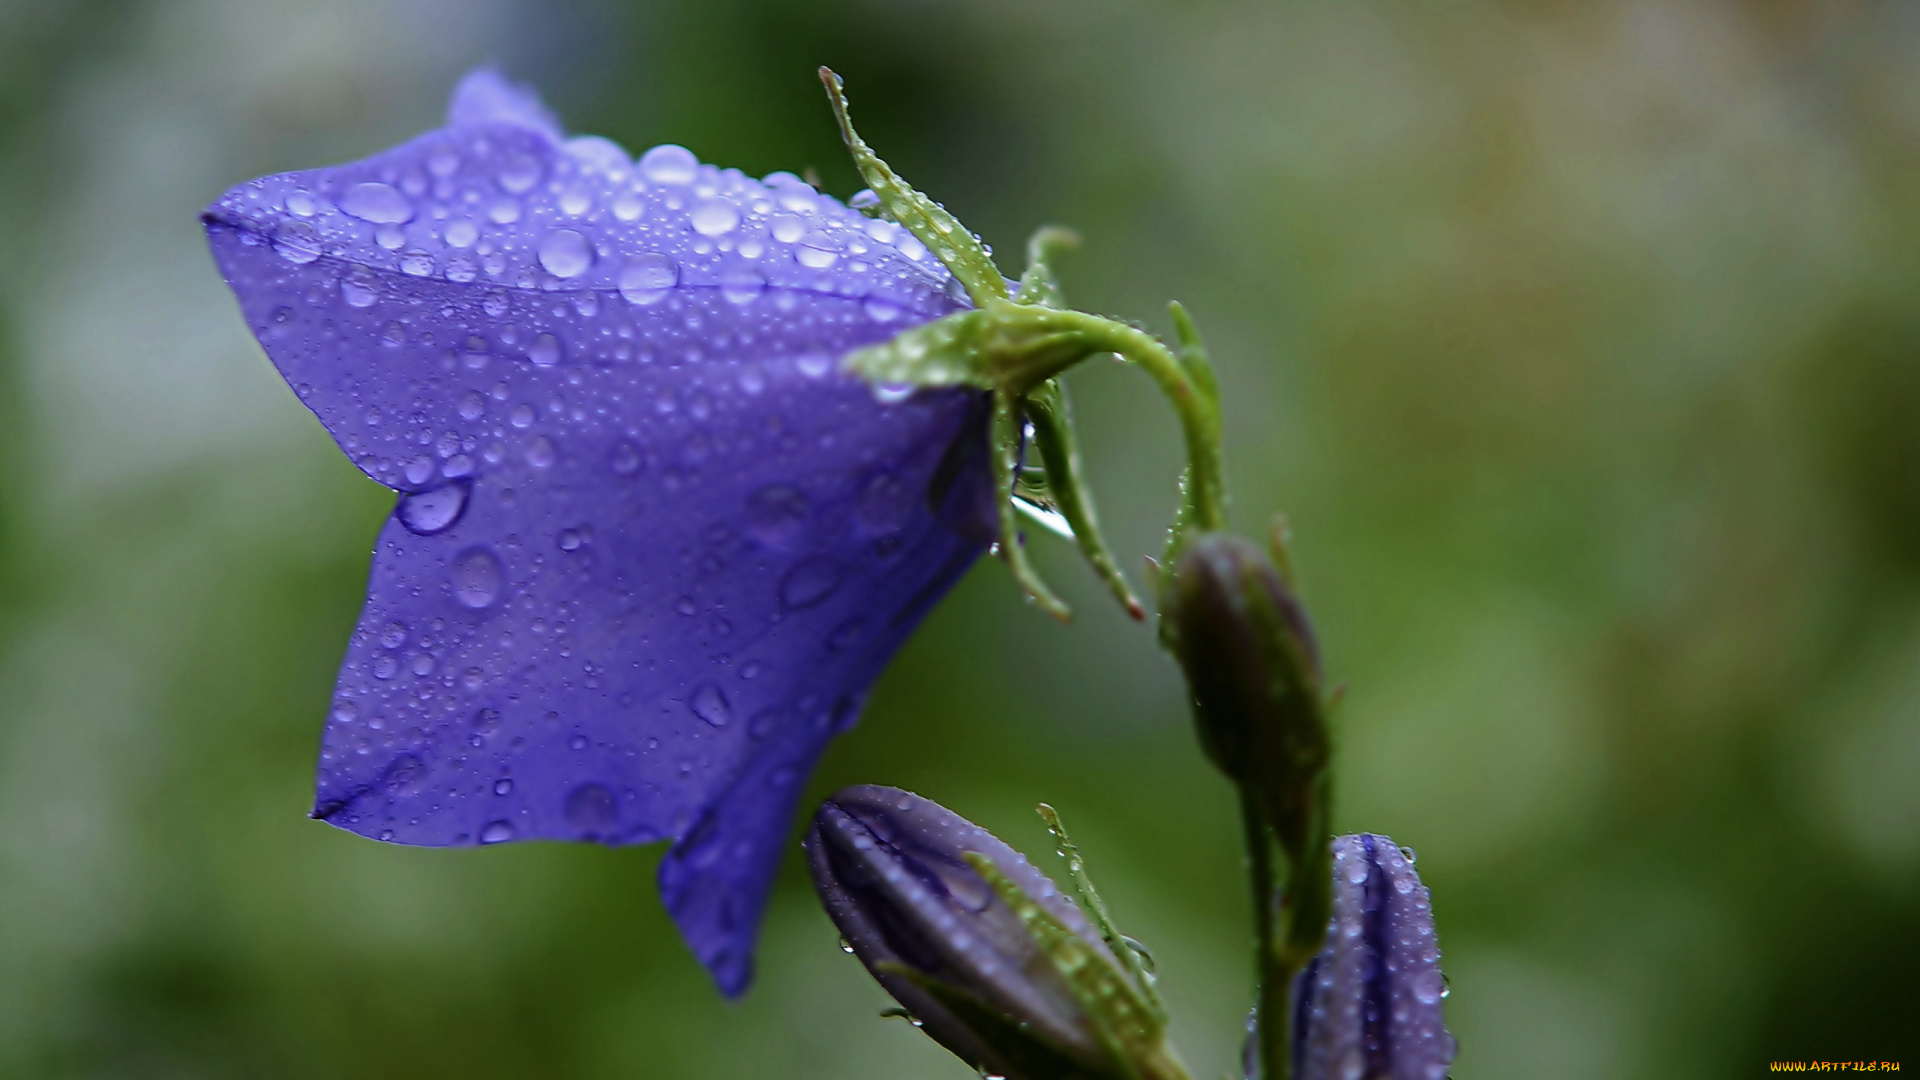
[(1370, 1004), (651, 545)]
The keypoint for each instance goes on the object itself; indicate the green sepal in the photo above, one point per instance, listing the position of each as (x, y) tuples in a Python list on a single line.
[(944, 352), (1124, 948), (1038, 283), (1024, 1052), (958, 249), (1052, 419), (1124, 1023)]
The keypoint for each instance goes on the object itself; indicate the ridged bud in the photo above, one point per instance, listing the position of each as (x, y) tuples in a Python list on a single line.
[(1369, 1006), (894, 873), (1254, 671)]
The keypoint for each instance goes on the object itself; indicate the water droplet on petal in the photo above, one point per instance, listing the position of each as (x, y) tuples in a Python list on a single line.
[(545, 350), (625, 458), (644, 280), (496, 832), (476, 577), (593, 810), (461, 233), (809, 581), (377, 202), (566, 253), (503, 787), (786, 228), (540, 452), (300, 202), (817, 250), (359, 287), (710, 704), (519, 173), (742, 285), (296, 242), (775, 514), (713, 217), (668, 164), (425, 513), (416, 263)]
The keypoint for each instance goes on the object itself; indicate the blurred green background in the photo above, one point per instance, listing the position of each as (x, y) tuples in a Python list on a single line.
[(1580, 342)]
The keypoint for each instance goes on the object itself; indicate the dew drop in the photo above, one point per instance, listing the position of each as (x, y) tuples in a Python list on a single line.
[(376, 202), (710, 704), (817, 250), (461, 233), (668, 164), (624, 459), (300, 201), (566, 253), (519, 173), (416, 263), (521, 416), (864, 201), (540, 452), (545, 350), (884, 506), (776, 513), (592, 809), (472, 405), (742, 285), (359, 288), (786, 228), (503, 787), (648, 278), (296, 242), (496, 832), (425, 513), (714, 217), (809, 581), (476, 577)]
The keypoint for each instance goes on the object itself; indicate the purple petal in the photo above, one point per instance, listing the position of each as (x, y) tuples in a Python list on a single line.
[(1369, 1004), (652, 546)]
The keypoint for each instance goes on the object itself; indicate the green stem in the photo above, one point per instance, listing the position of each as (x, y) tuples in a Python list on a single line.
[(1273, 1011)]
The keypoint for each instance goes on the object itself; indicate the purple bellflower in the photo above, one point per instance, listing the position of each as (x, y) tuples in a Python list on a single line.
[(651, 545), (1369, 1006)]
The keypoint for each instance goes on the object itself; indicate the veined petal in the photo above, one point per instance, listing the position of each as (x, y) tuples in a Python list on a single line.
[(651, 546)]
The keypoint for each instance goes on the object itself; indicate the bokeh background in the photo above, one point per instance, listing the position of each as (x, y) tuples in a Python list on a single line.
[(1580, 342)]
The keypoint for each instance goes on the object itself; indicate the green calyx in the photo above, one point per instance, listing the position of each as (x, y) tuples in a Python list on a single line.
[(1128, 1023), (1014, 346)]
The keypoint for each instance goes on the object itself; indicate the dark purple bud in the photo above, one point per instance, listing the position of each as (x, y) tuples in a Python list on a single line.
[(1254, 672), (890, 869), (1368, 1007), (651, 545)]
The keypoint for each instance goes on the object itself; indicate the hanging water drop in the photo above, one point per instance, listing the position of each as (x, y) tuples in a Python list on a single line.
[(427, 513)]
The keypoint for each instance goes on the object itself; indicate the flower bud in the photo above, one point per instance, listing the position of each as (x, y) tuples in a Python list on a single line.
[(1369, 1004), (1254, 671), (893, 871)]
